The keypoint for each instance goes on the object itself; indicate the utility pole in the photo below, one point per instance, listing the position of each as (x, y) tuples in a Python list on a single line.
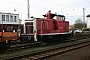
[(28, 7), (84, 17)]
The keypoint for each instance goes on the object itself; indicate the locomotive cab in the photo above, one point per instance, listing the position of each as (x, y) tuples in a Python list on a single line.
[(60, 17), (30, 30), (30, 26)]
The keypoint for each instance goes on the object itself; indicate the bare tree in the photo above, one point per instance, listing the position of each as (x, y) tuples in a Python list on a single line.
[(78, 23)]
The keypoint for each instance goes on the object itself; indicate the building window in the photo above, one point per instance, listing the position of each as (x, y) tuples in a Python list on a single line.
[(7, 17), (11, 18), (14, 18), (3, 17)]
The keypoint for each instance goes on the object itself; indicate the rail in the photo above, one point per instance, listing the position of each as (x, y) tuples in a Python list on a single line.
[(45, 54)]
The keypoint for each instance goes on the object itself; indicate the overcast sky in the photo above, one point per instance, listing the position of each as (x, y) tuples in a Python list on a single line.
[(72, 9)]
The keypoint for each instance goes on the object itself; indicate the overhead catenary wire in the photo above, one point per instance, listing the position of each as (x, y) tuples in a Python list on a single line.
[(12, 2), (87, 1), (45, 8), (59, 6)]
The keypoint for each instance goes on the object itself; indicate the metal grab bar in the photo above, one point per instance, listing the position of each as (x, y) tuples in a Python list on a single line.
[(42, 26)]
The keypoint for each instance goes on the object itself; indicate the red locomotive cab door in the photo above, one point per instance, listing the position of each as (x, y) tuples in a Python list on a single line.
[(45, 27)]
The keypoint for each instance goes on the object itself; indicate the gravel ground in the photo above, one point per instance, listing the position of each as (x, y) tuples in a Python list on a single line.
[(80, 54)]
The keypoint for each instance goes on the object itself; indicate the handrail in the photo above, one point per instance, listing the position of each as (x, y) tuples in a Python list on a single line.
[(42, 27)]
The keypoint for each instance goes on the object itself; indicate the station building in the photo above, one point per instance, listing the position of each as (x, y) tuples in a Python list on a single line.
[(9, 18)]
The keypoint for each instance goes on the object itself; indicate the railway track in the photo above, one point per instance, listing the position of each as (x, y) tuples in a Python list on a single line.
[(23, 46), (32, 45), (29, 46), (45, 54)]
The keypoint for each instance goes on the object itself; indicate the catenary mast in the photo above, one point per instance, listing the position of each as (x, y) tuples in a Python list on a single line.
[(28, 9), (84, 17), (28, 14)]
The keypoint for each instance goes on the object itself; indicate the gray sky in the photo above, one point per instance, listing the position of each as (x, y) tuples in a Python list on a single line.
[(72, 9)]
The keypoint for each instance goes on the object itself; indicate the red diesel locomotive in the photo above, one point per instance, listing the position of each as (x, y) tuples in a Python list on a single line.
[(45, 29)]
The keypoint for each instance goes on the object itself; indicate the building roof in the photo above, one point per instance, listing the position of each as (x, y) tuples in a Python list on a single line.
[(8, 13)]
